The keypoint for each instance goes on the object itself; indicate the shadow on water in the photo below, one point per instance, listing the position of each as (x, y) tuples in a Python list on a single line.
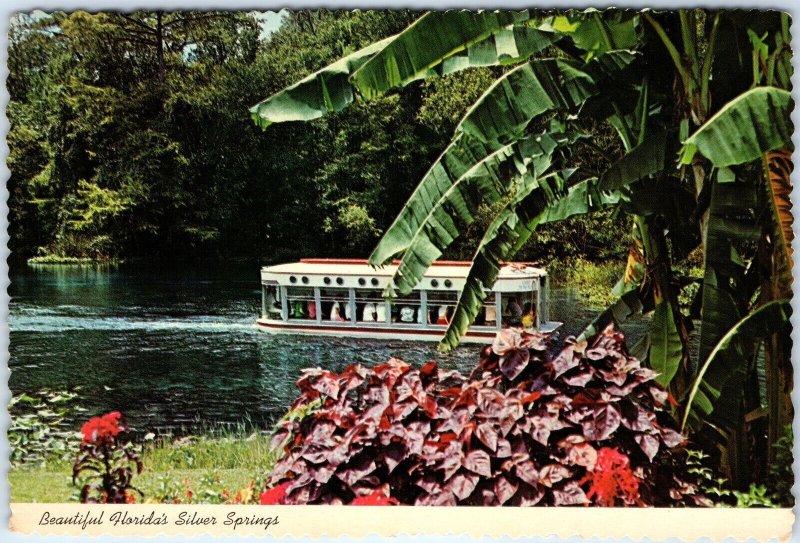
[(174, 347)]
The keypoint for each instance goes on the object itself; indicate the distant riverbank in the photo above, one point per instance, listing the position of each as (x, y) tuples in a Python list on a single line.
[(71, 260)]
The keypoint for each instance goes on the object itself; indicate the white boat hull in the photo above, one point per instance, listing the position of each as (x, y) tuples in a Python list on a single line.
[(380, 331)]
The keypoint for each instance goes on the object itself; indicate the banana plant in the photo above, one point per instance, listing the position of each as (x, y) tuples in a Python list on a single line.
[(721, 193)]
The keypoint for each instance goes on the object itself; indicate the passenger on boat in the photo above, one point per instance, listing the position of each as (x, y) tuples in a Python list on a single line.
[(514, 311), (442, 317), (298, 312), (336, 312), (407, 314), (273, 304), (347, 311), (311, 309), (528, 316), (380, 312), (368, 314)]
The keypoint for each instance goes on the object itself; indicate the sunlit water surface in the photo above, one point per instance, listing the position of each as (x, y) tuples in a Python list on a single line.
[(177, 348)]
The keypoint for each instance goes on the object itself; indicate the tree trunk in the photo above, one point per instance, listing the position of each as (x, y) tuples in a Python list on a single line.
[(162, 69)]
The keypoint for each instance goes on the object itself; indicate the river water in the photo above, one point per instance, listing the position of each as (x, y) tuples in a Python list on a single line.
[(177, 349)]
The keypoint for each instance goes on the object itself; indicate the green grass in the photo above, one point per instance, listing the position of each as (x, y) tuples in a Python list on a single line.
[(593, 280), (40, 485), (207, 464)]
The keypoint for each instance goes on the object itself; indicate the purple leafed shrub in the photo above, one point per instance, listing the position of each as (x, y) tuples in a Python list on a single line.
[(524, 429)]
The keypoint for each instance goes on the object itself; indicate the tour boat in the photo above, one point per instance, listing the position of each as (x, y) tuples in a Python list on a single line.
[(344, 298)]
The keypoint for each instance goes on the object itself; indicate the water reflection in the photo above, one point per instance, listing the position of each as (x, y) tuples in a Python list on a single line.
[(176, 347)]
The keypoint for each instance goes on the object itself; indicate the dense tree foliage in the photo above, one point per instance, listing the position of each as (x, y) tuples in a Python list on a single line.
[(130, 138)]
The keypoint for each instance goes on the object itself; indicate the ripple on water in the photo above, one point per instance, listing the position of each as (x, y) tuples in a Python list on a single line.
[(182, 350)]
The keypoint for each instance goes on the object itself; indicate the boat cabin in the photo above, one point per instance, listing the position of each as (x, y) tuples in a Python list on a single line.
[(342, 297)]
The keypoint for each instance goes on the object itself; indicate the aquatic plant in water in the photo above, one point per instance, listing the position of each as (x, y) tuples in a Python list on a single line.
[(587, 426), (39, 432)]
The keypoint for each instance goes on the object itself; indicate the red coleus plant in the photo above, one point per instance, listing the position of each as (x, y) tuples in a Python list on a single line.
[(106, 464), (525, 428)]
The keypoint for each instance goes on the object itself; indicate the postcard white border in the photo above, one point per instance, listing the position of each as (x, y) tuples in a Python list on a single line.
[(567, 524)]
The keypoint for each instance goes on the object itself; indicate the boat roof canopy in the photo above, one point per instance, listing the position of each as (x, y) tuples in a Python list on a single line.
[(443, 275)]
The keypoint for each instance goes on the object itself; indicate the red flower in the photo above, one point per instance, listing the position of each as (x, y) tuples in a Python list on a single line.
[(99, 429), (612, 478), (376, 498), (275, 495)]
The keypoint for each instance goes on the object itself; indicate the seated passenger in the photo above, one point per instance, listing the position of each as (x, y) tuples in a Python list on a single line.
[(407, 314), (368, 314), (273, 305), (298, 311), (336, 314), (442, 315), (380, 312), (311, 309), (514, 312), (347, 312), (528, 316)]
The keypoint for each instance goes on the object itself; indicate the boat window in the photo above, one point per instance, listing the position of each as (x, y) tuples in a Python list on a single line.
[(370, 306), (272, 302), (301, 303), (408, 309), (441, 306), (520, 309), (335, 303), (487, 315)]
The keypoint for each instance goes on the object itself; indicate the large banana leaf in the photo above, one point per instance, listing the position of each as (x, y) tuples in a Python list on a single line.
[(487, 182), (666, 349), (466, 150), (648, 158), (513, 227), (529, 90), (768, 319), (536, 202), (731, 228), (507, 46), (751, 124), (779, 166), (322, 92), (597, 32), (503, 238), (621, 310), (634, 265), (422, 46), (331, 88), (503, 123), (582, 198)]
